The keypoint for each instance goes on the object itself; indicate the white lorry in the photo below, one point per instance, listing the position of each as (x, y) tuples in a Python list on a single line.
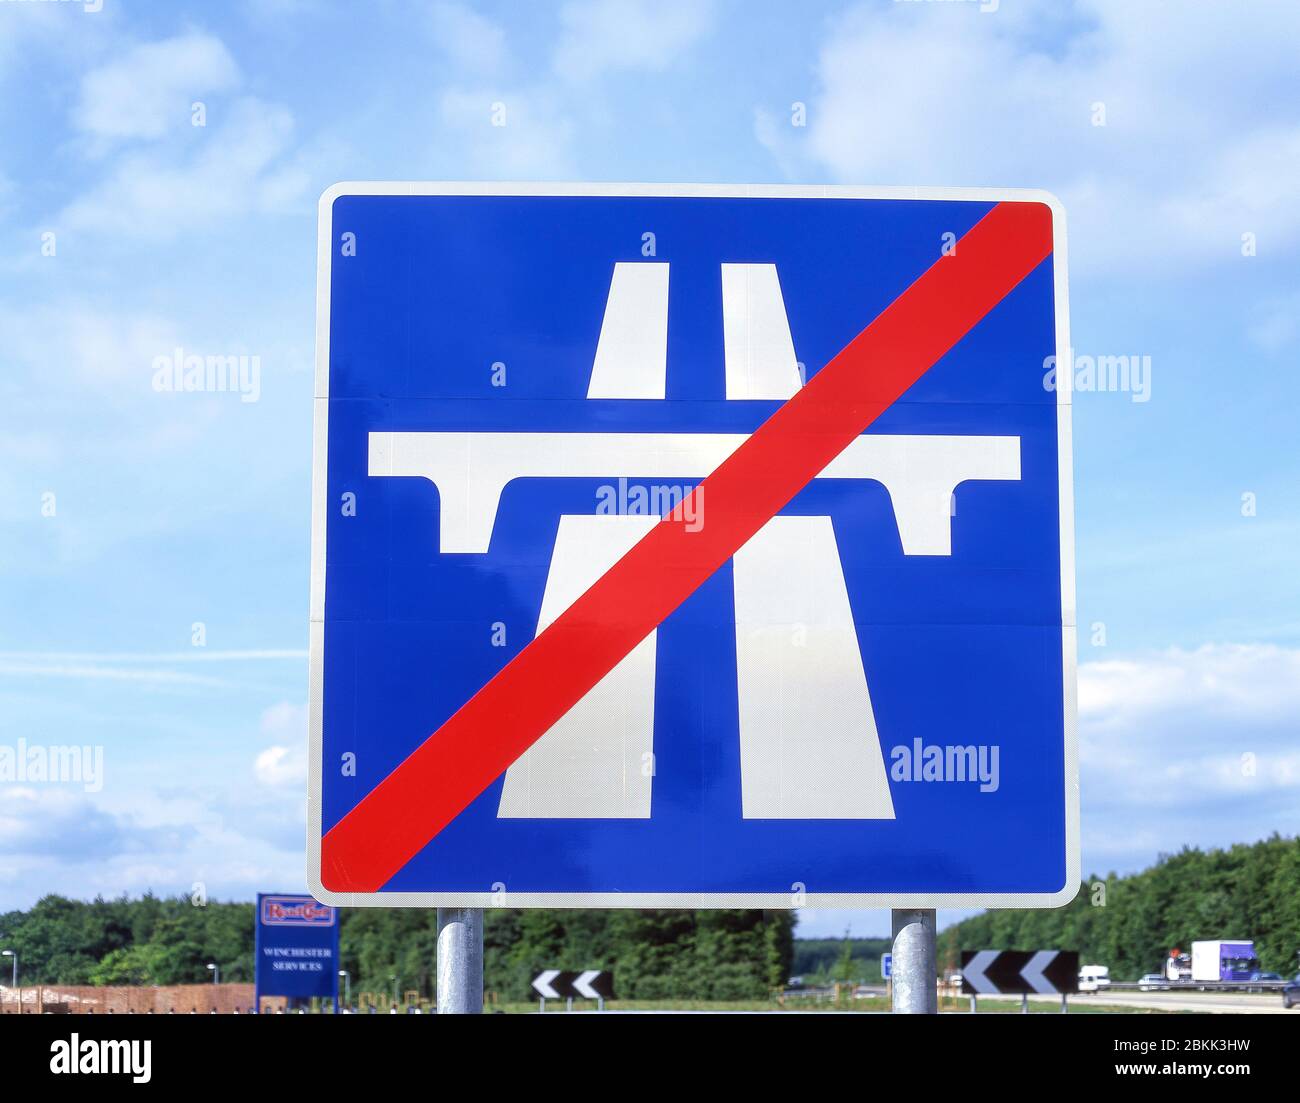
[(1093, 978), (1224, 961)]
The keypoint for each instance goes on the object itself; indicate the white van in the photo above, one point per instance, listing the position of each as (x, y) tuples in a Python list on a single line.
[(1093, 978)]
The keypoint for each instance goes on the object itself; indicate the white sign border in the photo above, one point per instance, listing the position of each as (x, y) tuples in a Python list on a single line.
[(798, 896)]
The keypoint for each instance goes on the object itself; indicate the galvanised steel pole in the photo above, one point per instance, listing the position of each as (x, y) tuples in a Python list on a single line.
[(460, 961), (915, 992)]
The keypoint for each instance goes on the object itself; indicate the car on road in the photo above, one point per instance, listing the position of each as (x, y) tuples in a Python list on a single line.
[(1152, 982), (1093, 978), (1262, 982), (1291, 993)]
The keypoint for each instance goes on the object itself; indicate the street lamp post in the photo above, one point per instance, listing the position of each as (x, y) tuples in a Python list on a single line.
[(347, 987), (13, 954), (215, 970)]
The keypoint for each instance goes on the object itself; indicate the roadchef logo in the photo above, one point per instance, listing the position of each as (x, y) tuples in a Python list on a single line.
[(293, 911)]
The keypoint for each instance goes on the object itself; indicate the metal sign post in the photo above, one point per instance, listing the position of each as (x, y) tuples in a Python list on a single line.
[(460, 961), (912, 965)]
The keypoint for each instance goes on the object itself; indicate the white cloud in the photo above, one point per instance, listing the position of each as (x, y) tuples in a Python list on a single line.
[(43, 30), (147, 90), (600, 36), (528, 129), (1184, 747), (284, 764), (53, 840), (150, 671), (513, 134), (133, 469), (468, 38), (1224, 681), (240, 162), (284, 719), (89, 672), (280, 766), (58, 823), (168, 177), (1191, 156), (73, 346), (160, 827)]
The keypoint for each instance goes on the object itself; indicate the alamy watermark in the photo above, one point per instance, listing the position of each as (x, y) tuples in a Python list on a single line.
[(919, 761), (1129, 375), (181, 373), (76, 1055), (682, 503), (26, 763)]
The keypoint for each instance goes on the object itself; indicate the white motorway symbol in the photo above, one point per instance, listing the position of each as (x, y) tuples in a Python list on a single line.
[(809, 744)]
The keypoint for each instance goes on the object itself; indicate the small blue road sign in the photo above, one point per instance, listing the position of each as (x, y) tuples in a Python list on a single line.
[(296, 948)]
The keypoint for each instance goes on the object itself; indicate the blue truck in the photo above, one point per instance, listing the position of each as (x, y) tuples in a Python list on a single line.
[(1225, 961)]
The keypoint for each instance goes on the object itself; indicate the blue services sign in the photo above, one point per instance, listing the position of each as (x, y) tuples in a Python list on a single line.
[(296, 947), (692, 547)]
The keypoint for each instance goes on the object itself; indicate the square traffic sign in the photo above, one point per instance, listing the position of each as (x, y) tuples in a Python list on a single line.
[(691, 546)]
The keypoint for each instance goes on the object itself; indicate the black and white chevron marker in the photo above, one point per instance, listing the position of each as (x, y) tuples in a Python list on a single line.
[(1019, 972), (555, 984), (595, 985)]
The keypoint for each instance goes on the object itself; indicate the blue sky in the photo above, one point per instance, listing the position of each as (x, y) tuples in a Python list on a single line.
[(1170, 131)]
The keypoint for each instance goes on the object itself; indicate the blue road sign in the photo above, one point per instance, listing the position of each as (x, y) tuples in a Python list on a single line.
[(692, 546), (296, 948), (886, 966)]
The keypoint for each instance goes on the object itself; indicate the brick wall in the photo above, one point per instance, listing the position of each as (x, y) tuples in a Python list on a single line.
[(179, 999)]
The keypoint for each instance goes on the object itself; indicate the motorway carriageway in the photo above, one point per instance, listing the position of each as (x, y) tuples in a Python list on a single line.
[(1221, 1003)]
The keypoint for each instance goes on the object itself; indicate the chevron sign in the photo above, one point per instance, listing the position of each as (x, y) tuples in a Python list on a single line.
[(557, 984), (1019, 972)]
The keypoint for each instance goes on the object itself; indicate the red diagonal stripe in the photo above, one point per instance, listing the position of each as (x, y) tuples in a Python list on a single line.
[(436, 782)]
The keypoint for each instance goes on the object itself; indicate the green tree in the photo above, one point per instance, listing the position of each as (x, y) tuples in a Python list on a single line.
[(1246, 891), (844, 966), (131, 966)]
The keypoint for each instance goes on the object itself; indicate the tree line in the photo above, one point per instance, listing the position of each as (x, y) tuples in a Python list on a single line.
[(716, 955), (822, 961), (1248, 891), (1127, 923)]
